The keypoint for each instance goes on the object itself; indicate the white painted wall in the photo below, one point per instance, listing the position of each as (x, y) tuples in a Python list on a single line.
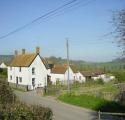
[(96, 77), (3, 65), (55, 77), (14, 72), (108, 78), (78, 75), (40, 73), (71, 74)]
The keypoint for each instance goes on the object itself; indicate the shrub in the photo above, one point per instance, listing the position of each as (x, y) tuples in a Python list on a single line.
[(6, 93), (120, 76), (12, 109), (21, 111), (42, 113), (100, 81), (3, 72)]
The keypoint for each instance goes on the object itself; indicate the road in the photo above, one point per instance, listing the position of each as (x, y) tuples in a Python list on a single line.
[(61, 110)]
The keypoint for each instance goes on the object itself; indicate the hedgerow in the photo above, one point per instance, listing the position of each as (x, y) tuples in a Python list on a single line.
[(12, 109)]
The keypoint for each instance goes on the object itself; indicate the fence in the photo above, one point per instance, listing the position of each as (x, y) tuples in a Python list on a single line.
[(110, 116)]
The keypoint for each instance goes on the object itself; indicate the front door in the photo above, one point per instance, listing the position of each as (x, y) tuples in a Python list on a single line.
[(33, 82)]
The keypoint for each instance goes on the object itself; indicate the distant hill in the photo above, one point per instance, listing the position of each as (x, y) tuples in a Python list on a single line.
[(80, 64), (60, 60), (119, 60), (6, 58), (116, 64)]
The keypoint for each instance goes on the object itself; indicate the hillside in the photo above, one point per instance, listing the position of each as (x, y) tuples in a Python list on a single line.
[(5, 58), (119, 60), (116, 64)]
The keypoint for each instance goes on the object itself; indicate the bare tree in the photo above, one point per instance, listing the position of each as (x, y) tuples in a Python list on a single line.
[(119, 23)]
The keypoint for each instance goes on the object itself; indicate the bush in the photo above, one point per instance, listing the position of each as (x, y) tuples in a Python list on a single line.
[(100, 81), (21, 111), (6, 93), (120, 76), (11, 109), (3, 72), (75, 84)]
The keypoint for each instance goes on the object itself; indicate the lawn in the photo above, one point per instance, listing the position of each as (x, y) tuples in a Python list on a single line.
[(92, 102)]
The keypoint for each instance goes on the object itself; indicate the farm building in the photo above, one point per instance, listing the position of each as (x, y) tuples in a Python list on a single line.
[(59, 73), (97, 74)]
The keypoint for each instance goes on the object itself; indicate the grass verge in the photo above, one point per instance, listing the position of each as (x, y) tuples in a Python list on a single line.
[(91, 102)]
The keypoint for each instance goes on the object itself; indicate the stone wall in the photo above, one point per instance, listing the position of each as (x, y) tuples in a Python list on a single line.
[(18, 87)]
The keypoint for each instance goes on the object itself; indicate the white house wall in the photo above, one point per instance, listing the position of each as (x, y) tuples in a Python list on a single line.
[(40, 73), (96, 78), (55, 77), (71, 74), (78, 75), (14, 72)]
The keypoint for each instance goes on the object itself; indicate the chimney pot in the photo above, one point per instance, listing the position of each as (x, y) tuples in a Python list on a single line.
[(15, 52), (37, 50), (23, 51)]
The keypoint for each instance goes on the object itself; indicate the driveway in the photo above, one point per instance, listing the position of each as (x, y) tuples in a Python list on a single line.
[(61, 110)]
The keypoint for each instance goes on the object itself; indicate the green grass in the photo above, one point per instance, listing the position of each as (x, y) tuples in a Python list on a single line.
[(109, 88), (91, 102)]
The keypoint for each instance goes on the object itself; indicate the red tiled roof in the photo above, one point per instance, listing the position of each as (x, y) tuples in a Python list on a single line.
[(59, 69)]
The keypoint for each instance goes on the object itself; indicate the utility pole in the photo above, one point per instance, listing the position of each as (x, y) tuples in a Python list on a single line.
[(67, 46)]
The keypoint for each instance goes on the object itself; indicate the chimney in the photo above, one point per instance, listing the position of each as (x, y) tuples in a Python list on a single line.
[(15, 52), (23, 51), (37, 50)]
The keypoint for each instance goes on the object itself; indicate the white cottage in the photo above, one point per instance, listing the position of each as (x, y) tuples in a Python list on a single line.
[(60, 74), (80, 77), (28, 70)]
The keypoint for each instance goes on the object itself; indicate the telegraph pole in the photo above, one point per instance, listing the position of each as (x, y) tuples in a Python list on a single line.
[(68, 81)]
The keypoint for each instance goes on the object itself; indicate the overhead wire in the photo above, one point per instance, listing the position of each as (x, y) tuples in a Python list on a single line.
[(37, 19), (63, 8)]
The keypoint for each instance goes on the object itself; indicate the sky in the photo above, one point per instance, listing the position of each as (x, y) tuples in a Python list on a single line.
[(85, 25)]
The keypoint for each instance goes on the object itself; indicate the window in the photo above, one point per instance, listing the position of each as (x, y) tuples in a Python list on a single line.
[(16, 80), (33, 71), (74, 77), (33, 81), (20, 79), (10, 77), (20, 69)]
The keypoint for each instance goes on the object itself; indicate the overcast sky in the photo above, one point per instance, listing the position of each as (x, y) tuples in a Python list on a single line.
[(85, 26)]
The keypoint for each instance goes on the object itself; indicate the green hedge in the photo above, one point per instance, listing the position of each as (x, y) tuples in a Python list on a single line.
[(21, 111), (12, 109)]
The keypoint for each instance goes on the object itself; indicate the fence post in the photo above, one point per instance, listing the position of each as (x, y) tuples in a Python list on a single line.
[(99, 117)]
